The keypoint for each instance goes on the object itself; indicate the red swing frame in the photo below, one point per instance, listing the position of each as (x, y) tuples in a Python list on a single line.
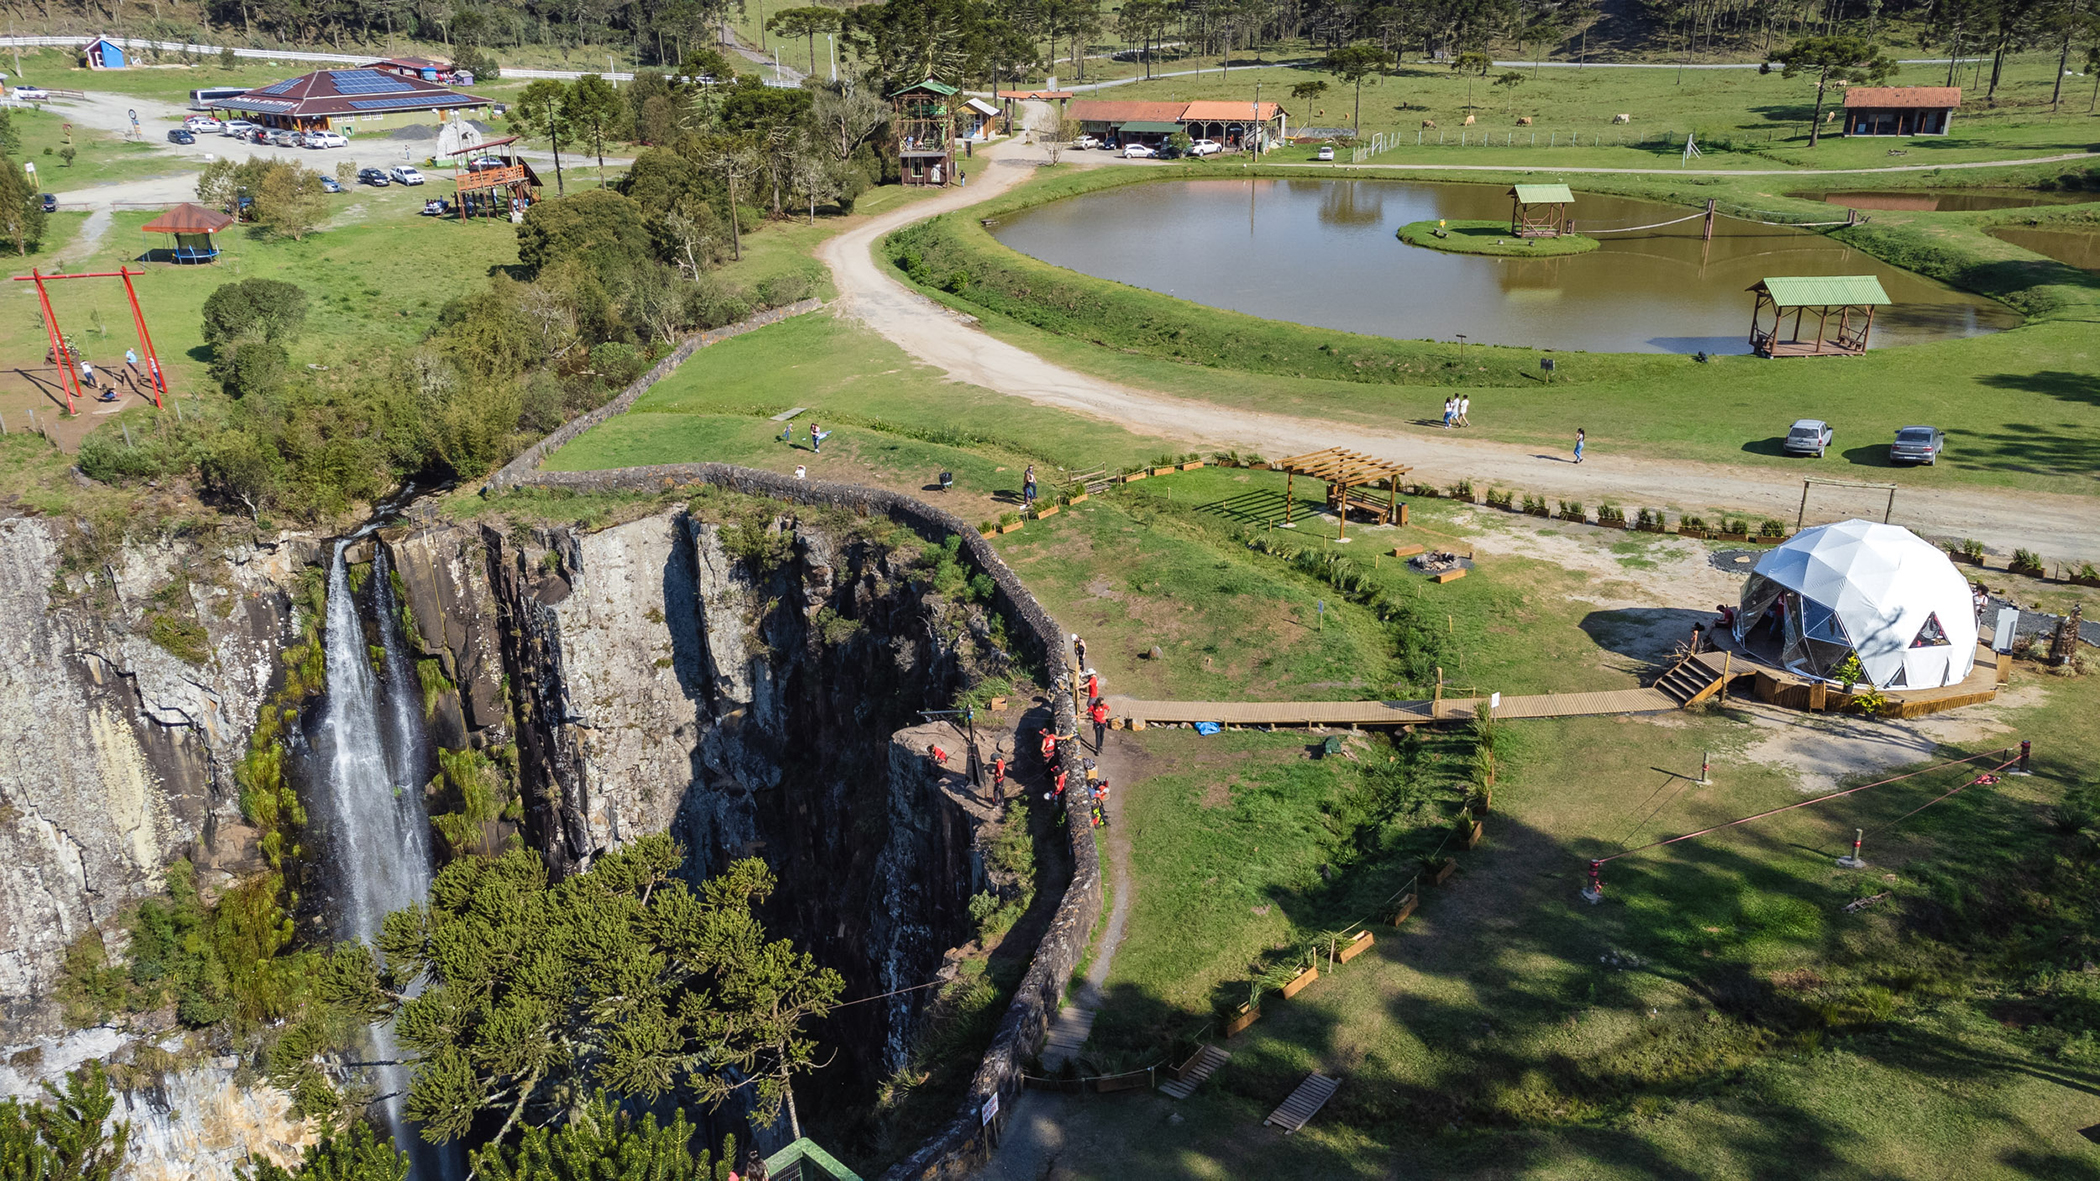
[(68, 374)]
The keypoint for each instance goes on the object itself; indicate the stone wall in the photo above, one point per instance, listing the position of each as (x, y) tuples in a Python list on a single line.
[(963, 1145)]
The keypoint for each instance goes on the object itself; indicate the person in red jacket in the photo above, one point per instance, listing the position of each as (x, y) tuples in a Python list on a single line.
[(1100, 715)]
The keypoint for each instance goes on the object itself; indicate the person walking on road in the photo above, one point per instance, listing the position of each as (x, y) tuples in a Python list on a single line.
[(1450, 408), (1579, 440)]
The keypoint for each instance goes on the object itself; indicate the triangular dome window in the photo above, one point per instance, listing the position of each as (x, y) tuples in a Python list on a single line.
[(1932, 635)]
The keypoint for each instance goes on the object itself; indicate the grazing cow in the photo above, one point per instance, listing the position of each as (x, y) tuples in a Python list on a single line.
[(1622, 118), (1469, 121), (1523, 120), (1429, 123)]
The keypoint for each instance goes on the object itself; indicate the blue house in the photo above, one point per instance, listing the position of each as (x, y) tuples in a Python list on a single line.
[(102, 54)]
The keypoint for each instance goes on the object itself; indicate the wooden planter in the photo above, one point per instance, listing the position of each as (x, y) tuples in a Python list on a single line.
[(1761, 539), (1134, 477), (1407, 907), (1579, 519), (1482, 801), (1965, 559), (2080, 581), (1248, 1015), (1358, 946), (1046, 511), (1472, 834), (1076, 498), (1618, 524), (1301, 982), (1161, 471), (1541, 512), (1442, 873), (2029, 571), (1122, 1082), (1191, 465), (1653, 527), (1730, 536), (1011, 528), (1699, 534)]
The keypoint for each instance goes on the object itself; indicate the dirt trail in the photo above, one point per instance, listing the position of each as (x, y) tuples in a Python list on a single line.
[(2058, 525)]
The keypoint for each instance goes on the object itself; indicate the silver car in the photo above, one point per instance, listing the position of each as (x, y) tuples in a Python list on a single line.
[(1809, 436), (1918, 444)]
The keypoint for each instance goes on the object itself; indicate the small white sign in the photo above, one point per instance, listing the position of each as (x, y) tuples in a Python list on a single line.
[(990, 1110), (1494, 702), (2008, 624)]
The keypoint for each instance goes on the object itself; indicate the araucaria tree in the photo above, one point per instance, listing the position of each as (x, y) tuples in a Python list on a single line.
[(1852, 58), (535, 994), (1354, 63), (808, 22), (540, 109), (594, 110)]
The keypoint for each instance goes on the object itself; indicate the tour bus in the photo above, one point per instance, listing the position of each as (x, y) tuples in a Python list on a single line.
[(201, 100)]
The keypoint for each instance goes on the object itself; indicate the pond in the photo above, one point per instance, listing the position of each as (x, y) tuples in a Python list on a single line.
[(1323, 252), (1949, 200), (2079, 248)]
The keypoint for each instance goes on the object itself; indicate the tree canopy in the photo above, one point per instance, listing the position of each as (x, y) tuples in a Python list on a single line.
[(1856, 59)]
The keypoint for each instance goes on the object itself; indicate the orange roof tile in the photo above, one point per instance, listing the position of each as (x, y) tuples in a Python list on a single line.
[(1224, 111), (1905, 98)]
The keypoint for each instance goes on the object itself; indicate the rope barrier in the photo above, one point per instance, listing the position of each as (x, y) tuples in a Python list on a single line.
[(1806, 803), (1656, 226)]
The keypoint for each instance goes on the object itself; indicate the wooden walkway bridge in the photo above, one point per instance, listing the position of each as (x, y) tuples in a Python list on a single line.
[(1389, 713)]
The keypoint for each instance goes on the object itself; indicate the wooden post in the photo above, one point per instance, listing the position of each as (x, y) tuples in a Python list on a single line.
[(1340, 492), (1708, 235), (1866, 329), (1822, 326), (1288, 477), (1891, 509), (1802, 515)]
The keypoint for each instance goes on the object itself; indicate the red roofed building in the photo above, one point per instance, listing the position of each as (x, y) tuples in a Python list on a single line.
[(1229, 121), (1900, 110), (1106, 119), (321, 100)]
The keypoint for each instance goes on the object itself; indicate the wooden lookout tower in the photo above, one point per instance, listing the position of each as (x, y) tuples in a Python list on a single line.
[(924, 124), (1539, 211), (1851, 298), (1345, 472), (494, 181)]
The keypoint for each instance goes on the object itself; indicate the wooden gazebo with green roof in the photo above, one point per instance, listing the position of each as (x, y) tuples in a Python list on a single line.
[(924, 126), (1852, 298), (1539, 211)]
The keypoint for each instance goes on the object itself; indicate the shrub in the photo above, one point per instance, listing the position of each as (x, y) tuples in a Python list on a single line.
[(2026, 562), (1572, 510), (1690, 522), (1736, 525), (1610, 514), (1535, 505), (1972, 549), (1771, 528), (1463, 490), (1499, 498)]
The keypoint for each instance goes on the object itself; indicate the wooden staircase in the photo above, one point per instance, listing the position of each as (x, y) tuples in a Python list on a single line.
[(1304, 1103), (1204, 1064), (1691, 681)]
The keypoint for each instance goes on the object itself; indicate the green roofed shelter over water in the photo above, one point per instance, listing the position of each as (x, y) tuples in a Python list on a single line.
[(1813, 291), (1542, 194)]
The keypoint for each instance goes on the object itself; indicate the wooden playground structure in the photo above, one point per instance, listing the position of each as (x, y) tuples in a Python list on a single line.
[(1349, 476)]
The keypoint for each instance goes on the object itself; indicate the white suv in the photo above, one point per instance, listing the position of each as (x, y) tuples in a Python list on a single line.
[(325, 139), (237, 128), (203, 124), (1205, 147), (406, 174)]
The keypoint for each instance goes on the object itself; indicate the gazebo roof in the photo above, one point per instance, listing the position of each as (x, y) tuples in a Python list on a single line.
[(1821, 291), (1339, 465), (1542, 194), (940, 88), (188, 218)]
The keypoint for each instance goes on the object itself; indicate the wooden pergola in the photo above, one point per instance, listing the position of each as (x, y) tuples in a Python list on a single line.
[(1852, 298), (1550, 203), (1344, 470)]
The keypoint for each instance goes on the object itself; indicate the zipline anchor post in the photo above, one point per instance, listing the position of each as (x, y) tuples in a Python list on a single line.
[(1854, 861), (2026, 752), (1706, 767), (1594, 892)]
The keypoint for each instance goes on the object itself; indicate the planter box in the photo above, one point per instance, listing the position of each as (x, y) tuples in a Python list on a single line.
[(1011, 528), (1077, 498), (1191, 465), (1579, 520), (2084, 581), (1965, 559), (1656, 527), (993, 531), (1046, 511), (1358, 946), (2028, 571), (1485, 799), (1761, 539), (1442, 873), (1407, 907), (997, 705), (1406, 551), (1248, 1015), (1540, 512), (1301, 982), (1161, 471), (1472, 834), (1700, 534), (1730, 536), (1134, 477)]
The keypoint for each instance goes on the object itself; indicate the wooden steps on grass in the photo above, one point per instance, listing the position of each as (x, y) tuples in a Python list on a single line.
[(1304, 1103), (1069, 1032), (1201, 1066), (1689, 682)]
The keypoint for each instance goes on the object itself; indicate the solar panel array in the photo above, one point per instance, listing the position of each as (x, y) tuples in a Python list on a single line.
[(367, 82), (414, 100), (280, 87)]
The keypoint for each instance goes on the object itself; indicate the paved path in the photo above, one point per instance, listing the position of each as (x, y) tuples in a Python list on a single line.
[(2056, 525)]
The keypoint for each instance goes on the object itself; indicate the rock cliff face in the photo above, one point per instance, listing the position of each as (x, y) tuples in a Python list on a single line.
[(742, 685), (127, 691)]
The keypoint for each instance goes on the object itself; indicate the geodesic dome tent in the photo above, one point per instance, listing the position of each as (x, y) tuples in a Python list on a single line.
[(1860, 587)]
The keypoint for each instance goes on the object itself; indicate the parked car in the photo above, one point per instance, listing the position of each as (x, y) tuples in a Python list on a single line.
[(50, 203), (237, 128), (1166, 152), (405, 174), (1917, 444), (1326, 152), (1808, 436), (1138, 152), (1205, 147), (182, 135), (326, 139), (372, 176), (32, 94), (203, 125), (329, 185), (1087, 141), (286, 139)]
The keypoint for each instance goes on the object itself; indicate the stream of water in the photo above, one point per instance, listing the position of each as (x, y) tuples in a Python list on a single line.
[(373, 751)]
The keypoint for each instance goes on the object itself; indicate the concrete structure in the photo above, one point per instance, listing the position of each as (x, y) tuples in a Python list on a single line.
[(1900, 110)]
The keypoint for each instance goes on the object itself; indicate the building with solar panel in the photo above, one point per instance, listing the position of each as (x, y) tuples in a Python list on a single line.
[(349, 100)]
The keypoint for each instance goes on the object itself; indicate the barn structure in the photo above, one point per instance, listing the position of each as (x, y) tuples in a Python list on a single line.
[(1900, 110)]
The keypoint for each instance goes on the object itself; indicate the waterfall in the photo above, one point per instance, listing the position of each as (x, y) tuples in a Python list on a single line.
[(373, 761)]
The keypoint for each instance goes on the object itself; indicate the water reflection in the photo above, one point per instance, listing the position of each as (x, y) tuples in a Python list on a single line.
[(1323, 252), (2079, 248)]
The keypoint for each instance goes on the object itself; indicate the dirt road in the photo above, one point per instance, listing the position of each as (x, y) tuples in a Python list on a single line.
[(2057, 526)]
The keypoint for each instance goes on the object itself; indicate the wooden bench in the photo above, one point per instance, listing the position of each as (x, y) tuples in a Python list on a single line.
[(1408, 551), (1451, 575)]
